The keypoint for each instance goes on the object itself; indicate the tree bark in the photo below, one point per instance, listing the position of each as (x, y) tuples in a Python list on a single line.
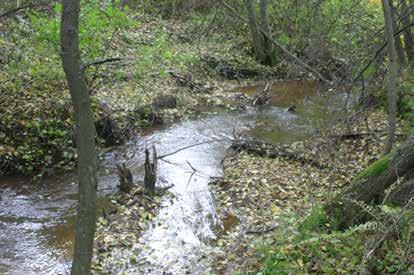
[(150, 177), (397, 39), (402, 194), (346, 209), (408, 35), (85, 138), (268, 49), (392, 76), (255, 32)]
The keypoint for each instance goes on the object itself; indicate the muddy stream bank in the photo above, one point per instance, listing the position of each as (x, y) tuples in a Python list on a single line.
[(37, 222)]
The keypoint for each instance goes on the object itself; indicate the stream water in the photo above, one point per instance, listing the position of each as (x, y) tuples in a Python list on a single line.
[(36, 222)]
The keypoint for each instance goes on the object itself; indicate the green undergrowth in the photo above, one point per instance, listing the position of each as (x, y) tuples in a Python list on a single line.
[(306, 246), (36, 125)]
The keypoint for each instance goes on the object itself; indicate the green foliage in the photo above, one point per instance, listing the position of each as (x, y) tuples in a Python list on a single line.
[(316, 221), (36, 126), (158, 57), (376, 168), (98, 23), (298, 249)]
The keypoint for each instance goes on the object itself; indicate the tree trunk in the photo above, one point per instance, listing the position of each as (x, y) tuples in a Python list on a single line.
[(402, 194), (392, 76), (346, 210), (126, 181), (255, 32), (397, 39), (268, 49), (85, 138), (408, 35)]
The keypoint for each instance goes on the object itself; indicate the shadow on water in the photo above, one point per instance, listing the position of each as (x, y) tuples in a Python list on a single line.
[(37, 222)]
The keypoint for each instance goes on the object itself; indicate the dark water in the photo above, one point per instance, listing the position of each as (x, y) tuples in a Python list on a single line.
[(36, 222)]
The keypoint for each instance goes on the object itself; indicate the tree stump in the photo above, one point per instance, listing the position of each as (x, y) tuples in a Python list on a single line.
[(150, 170), (125, 178)]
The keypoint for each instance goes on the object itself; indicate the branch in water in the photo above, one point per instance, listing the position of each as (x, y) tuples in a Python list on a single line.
[(190, 146)]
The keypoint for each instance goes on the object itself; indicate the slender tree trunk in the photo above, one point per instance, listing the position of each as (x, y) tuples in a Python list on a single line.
[(397, 39), (391, 77), (408, 35), (255, 32), (85, 138), (269, 52)]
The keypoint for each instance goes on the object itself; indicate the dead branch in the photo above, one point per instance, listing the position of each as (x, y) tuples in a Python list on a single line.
[(272, 151), (259, 232), (191, 146), (100, 62), (186, 80), (262, 98), (13, 11)]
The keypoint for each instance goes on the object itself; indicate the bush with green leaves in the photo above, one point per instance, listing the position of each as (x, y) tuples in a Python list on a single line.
[(99, 21), (36, 125), (157, 57)]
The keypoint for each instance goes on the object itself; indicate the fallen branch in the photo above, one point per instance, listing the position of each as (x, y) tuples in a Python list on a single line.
[(187, 81), (262, 98), (272, 151), (100, 62), (190, 146), (259, 232), (361, 135), (13, 11)]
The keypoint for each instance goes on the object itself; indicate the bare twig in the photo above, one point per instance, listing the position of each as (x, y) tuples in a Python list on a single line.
[(191, 146)]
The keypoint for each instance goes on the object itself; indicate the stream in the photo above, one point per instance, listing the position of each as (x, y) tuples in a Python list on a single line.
[(37, 221)]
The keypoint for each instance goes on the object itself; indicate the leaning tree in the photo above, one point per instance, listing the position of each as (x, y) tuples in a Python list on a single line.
[(351, 207), (85, 137)]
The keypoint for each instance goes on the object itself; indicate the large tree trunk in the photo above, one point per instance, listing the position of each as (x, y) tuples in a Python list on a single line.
[(392, 76), (408, 35), (346, 209), (261, 35), (85, 138), (255, 32)]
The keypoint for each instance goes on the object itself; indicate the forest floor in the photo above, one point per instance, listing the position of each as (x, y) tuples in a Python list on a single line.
[(264, 202)]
